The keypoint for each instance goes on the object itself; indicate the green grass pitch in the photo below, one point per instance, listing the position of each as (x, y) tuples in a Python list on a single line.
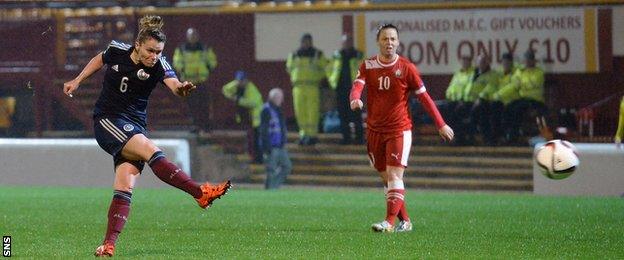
[(312, 223)]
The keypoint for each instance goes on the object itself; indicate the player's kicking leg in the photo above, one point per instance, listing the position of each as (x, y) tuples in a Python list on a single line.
[(142, 148)]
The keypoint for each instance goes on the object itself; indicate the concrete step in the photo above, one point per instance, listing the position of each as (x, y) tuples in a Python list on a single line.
[(423, 136), (335, 138), (417, 150), (428, 171), (493, 151), (421, 160), (238, 146), (410, 182)]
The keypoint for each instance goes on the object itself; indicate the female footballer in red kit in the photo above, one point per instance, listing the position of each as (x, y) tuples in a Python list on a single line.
[(389, 79), (132, 72)]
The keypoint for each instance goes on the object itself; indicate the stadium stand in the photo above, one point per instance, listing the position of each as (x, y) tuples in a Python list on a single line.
[(431, 166)]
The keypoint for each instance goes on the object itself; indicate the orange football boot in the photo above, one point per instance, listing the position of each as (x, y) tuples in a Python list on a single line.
[(105, 250), (212, 192)]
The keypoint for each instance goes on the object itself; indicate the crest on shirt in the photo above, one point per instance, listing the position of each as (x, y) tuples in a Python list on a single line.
[(142, 75), (115, 67), (128, 127), (398, 73)]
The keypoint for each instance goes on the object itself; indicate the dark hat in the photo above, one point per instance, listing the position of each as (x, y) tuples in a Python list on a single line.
[(307, 36)]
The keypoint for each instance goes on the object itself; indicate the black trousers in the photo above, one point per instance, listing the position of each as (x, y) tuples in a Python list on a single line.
[(518, 112), (488, 118), (458, 115), (348, 116)]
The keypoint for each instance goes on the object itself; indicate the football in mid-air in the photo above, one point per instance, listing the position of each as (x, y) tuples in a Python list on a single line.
[(557, 159)]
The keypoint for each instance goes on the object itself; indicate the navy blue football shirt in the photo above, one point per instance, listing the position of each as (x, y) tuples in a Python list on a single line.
[(127, 86)]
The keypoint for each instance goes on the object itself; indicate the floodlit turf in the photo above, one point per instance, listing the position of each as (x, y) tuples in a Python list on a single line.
[(313, 223)]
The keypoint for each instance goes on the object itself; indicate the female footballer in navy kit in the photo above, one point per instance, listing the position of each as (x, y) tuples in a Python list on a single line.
[(132, 72)]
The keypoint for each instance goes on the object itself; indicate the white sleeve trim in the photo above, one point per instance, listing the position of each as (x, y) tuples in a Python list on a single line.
[(420, 90), (120, 45), (359, 80)]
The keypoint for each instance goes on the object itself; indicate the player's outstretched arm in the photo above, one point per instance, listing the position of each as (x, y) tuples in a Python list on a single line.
[(181, 89), (445, 131), (95, 64)]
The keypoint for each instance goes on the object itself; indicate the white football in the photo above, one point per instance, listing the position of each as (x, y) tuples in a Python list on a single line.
[(557, 159)]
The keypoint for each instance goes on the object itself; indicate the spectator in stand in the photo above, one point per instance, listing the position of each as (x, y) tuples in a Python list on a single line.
[(503, 96), (248, 99), (485, 83), (344, 67), (195, 61), (307, 68), (273, 140), (455, 108), (527, 84)]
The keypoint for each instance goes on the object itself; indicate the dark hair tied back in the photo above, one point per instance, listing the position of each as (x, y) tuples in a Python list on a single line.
[(150, 26)]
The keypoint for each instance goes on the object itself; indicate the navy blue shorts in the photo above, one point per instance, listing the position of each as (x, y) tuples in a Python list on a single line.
[(112, 134)]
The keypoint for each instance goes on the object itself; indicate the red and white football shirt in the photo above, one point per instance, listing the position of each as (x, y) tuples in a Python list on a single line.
[(388, 87)]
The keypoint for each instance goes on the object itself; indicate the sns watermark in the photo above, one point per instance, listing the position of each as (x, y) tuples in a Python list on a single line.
[(6, 246)]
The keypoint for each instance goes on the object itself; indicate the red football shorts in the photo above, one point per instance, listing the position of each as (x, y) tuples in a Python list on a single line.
[(388, 149)]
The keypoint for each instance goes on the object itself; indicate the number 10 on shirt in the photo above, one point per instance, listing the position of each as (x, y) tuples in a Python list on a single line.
[(384, 82)]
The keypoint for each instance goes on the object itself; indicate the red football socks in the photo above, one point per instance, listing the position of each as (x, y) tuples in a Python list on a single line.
[(173, 175), (117, 215), (403, 216), (395, 201)]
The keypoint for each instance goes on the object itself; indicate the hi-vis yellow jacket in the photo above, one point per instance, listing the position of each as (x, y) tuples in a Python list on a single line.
[(525, 83), (460, 80), (477, 88), (306, 67), (336, 67), (194, 62), (506, 94), (619, 135), (250, 99)]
